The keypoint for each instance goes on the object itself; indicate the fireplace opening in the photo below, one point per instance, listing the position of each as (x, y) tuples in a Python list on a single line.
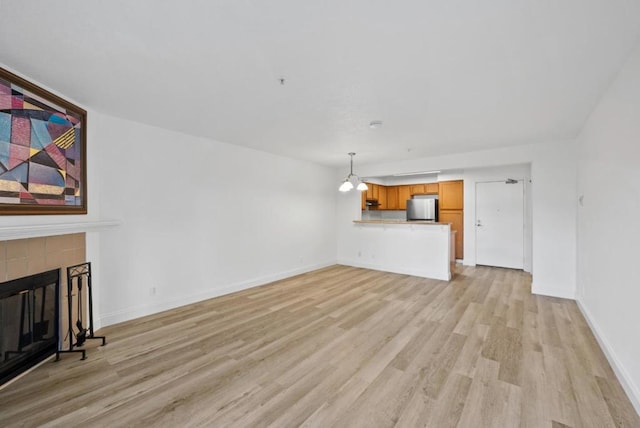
[(29, 317)]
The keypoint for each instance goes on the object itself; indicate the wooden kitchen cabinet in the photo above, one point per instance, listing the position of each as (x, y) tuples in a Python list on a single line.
[(376, 192), (373, 191), (451, 195), (404, 193), (382, 197), (392, 198), (424, 189), (456, 218), (395, 197), (417, 189), (431, 188), (369, 191), (451, 208)]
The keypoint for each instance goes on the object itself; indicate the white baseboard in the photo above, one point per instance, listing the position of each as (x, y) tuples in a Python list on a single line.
[(625, 380), (138, 311)]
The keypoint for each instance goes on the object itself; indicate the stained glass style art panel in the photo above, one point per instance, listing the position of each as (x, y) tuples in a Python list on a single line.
[(42, 151)]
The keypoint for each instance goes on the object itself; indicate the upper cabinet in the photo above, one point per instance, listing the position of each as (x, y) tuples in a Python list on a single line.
[(424, 189), (431, 188), (404, 193), (451, 195), (375, 192), (393, 203), (382, 197), (417, 189), (372, 191), (395, 197)]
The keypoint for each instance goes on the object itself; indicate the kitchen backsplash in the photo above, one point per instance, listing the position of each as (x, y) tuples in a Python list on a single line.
[(384, 215)]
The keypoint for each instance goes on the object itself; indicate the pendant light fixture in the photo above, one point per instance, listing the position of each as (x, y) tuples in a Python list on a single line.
[(347, 184)]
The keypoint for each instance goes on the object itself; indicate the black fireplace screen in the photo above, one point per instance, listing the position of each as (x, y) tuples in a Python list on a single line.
[(28, 322)]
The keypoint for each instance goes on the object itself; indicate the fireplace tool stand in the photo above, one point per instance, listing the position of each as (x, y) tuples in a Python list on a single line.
[(80, 273)]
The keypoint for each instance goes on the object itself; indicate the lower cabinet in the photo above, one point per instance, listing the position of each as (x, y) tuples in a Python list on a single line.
[(456, 218)]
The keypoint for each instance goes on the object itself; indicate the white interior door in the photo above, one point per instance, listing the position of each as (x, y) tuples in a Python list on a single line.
[(500, 224)]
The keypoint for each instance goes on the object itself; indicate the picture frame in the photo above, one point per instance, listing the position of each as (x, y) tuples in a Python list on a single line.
[(43, 151)]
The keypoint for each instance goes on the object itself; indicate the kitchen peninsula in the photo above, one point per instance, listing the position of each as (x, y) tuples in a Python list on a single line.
[(390, 201), (419, 248)]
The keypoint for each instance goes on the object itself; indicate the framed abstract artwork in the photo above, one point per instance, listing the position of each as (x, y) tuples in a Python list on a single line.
[(43, 145)]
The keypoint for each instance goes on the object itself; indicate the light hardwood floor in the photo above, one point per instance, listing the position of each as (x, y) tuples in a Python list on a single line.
[(342, 347)]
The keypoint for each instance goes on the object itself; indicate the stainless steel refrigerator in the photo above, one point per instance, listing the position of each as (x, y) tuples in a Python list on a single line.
[(422, 209)]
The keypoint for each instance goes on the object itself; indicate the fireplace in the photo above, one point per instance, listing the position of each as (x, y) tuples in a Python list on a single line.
[(25, 258), (29, 316)]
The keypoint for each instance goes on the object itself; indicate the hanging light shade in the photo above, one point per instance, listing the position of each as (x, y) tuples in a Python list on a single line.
[(347, 184)]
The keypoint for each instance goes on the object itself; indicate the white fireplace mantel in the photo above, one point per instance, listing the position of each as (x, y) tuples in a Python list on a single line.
[(8, 233)]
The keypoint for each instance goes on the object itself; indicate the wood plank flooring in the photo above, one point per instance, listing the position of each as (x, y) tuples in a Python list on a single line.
[(343, 347)]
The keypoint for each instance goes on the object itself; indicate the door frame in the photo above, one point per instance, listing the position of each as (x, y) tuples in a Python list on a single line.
[(526, 182)]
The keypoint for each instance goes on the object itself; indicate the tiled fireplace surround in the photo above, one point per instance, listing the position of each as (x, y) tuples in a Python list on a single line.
[(22, 257)]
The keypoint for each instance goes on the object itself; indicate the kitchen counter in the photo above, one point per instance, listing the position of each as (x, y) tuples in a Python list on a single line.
[(427, 222), (424, 249)]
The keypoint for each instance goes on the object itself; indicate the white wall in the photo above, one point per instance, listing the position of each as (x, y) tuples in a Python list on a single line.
[(553, 172), (202, 218), (609, 226), (553, 218)]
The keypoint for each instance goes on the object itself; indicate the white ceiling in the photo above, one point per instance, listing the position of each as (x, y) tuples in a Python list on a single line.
[(444, 76)]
